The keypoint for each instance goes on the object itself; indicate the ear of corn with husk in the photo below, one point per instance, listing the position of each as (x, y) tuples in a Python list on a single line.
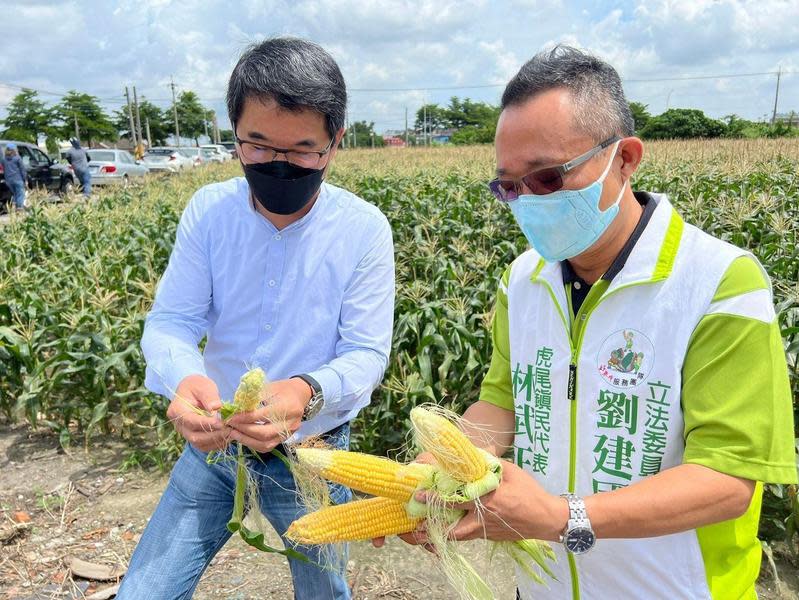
[(249, 395), (462, 472)]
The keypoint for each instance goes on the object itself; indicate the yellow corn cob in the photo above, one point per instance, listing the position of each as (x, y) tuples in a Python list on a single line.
[(250, 391), (358, 520), (461, 459), (366, 473)]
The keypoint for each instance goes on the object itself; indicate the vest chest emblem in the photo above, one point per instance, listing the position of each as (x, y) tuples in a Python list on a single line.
[(625, 358)]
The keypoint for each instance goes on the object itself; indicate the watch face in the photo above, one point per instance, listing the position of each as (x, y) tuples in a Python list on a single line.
[(579, 540)]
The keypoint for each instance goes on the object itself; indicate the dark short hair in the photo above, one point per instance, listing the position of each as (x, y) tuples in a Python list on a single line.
[(295, 73), (600, 108)]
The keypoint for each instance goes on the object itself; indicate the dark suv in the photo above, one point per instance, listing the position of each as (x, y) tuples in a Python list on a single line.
[(43, 173)]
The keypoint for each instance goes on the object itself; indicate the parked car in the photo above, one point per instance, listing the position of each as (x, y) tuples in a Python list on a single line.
[(43, 173), (231, 147), (212, 155), (165, 159), (112, 166), (195, 155), (220, 149)]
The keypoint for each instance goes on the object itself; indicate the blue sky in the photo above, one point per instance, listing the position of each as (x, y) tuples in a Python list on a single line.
[(98, 47)]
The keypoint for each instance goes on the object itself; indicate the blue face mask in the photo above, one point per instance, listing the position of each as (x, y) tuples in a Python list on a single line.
[(565, 223)]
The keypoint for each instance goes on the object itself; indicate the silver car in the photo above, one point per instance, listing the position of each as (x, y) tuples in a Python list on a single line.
[(195, 155), (112, 166), (212, 155), (219, 149), (166, 159)]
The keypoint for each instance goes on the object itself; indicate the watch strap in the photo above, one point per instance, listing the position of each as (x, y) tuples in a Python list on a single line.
[(578, 516), (317, 397), (315, 387)]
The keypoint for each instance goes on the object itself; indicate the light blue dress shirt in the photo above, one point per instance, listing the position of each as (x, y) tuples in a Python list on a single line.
[(316, 297)]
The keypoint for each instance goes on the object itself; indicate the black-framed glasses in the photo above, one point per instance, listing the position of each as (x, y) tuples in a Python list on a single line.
[(543, 181), (260, 153)]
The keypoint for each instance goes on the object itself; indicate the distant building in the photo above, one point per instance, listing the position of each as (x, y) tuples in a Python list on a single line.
[(394, 140), (441, 136), (791, 119)]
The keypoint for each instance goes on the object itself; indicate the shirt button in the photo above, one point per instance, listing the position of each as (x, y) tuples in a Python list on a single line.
[(272, 283), (278, 237), (577, 285), (268, 327)]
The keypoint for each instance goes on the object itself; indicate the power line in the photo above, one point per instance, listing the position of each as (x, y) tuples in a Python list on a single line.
[(444, 87), (695, 77)]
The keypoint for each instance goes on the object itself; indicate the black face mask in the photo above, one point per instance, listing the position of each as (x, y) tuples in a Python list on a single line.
[(282, 188)]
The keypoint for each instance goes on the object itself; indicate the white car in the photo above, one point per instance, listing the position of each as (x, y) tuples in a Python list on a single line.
[(211, 155), (219, 149), (195, 155), (166, 159)]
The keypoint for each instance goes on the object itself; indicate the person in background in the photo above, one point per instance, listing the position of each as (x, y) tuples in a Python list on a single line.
[(15, 174), (79, 159)]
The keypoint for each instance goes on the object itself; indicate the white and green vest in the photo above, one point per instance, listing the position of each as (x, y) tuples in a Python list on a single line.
[(604, 412)]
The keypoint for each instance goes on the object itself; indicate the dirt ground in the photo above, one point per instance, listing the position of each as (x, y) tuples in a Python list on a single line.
[(80, 506)]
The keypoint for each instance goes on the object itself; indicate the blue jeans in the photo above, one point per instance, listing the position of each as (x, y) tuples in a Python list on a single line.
[(85, 179), (17, 192), (189, 527)]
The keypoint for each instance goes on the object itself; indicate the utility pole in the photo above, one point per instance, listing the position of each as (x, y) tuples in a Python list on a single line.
[(776, 96), (217, 139), (175, 112), (406, 126), (149, 137), (77, 131), (130, 118), (140, 146), (138, 116), (424, 125)]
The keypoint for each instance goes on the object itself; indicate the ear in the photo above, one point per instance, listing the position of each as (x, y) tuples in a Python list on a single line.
[(339, 135), (631, 150)]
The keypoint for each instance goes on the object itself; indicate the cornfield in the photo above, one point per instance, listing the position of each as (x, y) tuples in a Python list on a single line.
[(76, 282)]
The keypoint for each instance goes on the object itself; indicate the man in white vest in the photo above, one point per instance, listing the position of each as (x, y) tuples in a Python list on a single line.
[(638, 373)]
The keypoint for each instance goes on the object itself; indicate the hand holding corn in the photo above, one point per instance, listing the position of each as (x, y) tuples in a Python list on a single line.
[(265, 424), (462, 474), (193, 411)]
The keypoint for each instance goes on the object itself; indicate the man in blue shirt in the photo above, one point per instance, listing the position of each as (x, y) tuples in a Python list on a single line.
[(14, 174), (278, 270)]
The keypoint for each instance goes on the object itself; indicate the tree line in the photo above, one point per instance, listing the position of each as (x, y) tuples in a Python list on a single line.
[(30, 118), (469, 122), (461, 122)]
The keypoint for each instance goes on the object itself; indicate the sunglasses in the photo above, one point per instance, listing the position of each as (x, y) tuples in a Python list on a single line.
[(543, 181)]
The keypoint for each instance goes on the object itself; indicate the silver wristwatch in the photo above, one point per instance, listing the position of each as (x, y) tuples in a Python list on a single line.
[(317, 400), (578, 538)]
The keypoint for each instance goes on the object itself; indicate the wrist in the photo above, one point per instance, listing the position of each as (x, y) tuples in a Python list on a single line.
[(558, 518), (304, 390), (316, 400)]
